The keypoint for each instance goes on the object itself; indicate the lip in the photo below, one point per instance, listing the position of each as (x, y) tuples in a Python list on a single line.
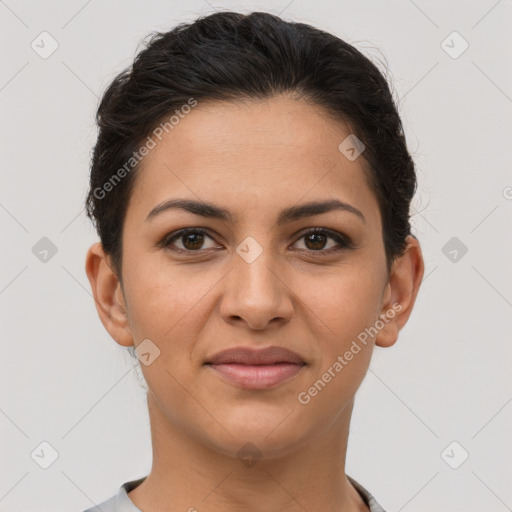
[(256, 369), (263, 356)]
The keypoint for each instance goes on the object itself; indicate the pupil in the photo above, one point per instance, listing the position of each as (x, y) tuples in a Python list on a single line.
[(196, 239), (311, 237)]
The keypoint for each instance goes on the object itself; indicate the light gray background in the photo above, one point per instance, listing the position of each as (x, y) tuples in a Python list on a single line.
[(66, 382)]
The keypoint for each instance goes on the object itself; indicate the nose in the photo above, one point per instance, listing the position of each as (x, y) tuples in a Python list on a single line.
[(256, 294)]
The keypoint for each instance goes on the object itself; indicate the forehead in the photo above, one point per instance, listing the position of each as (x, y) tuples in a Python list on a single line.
[(275, 126), (259, 153)]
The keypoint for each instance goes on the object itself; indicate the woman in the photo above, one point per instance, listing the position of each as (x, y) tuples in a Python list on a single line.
[(250, 186)]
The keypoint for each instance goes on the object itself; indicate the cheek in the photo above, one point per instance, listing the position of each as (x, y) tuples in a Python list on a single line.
[(345, 303), (167, 305), (344, 310)]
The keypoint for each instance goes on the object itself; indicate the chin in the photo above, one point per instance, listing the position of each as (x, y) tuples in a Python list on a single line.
[(266, 429)]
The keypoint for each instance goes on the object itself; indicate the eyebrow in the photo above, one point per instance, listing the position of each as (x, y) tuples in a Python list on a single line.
[(212, 211)]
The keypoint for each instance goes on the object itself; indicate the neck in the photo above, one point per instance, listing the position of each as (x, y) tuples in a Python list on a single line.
[(189, 475)]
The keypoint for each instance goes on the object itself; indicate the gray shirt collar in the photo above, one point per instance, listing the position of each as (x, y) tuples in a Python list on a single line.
[(121, 502)]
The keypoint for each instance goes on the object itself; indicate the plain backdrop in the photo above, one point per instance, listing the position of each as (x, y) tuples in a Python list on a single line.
[(441, 394)]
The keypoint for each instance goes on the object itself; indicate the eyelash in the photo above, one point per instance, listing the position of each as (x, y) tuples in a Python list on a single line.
[(344, 241)]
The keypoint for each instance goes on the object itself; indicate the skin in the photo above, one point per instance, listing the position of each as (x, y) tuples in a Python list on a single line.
[(254, 159)]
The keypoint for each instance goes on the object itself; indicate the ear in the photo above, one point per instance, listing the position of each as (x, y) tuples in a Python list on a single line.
[(400, 293), (108, 295)]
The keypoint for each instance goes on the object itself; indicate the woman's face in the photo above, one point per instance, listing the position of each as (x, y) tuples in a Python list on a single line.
[(257, 277)]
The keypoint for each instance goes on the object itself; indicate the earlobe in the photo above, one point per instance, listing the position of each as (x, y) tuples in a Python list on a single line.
[(107, 295), (401, 292)]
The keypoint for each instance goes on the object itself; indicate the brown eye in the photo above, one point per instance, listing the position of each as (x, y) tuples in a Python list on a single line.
[(317, 240), (191, 239)]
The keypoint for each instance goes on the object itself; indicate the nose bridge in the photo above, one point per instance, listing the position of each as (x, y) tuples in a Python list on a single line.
[(258, 274), (255, 291), (255, 270)]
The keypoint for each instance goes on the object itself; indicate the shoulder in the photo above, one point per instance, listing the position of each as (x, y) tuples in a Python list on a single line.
[(119, 502), (367, 496)]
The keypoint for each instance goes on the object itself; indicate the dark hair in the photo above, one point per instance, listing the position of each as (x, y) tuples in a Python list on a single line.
[(232, 56)]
